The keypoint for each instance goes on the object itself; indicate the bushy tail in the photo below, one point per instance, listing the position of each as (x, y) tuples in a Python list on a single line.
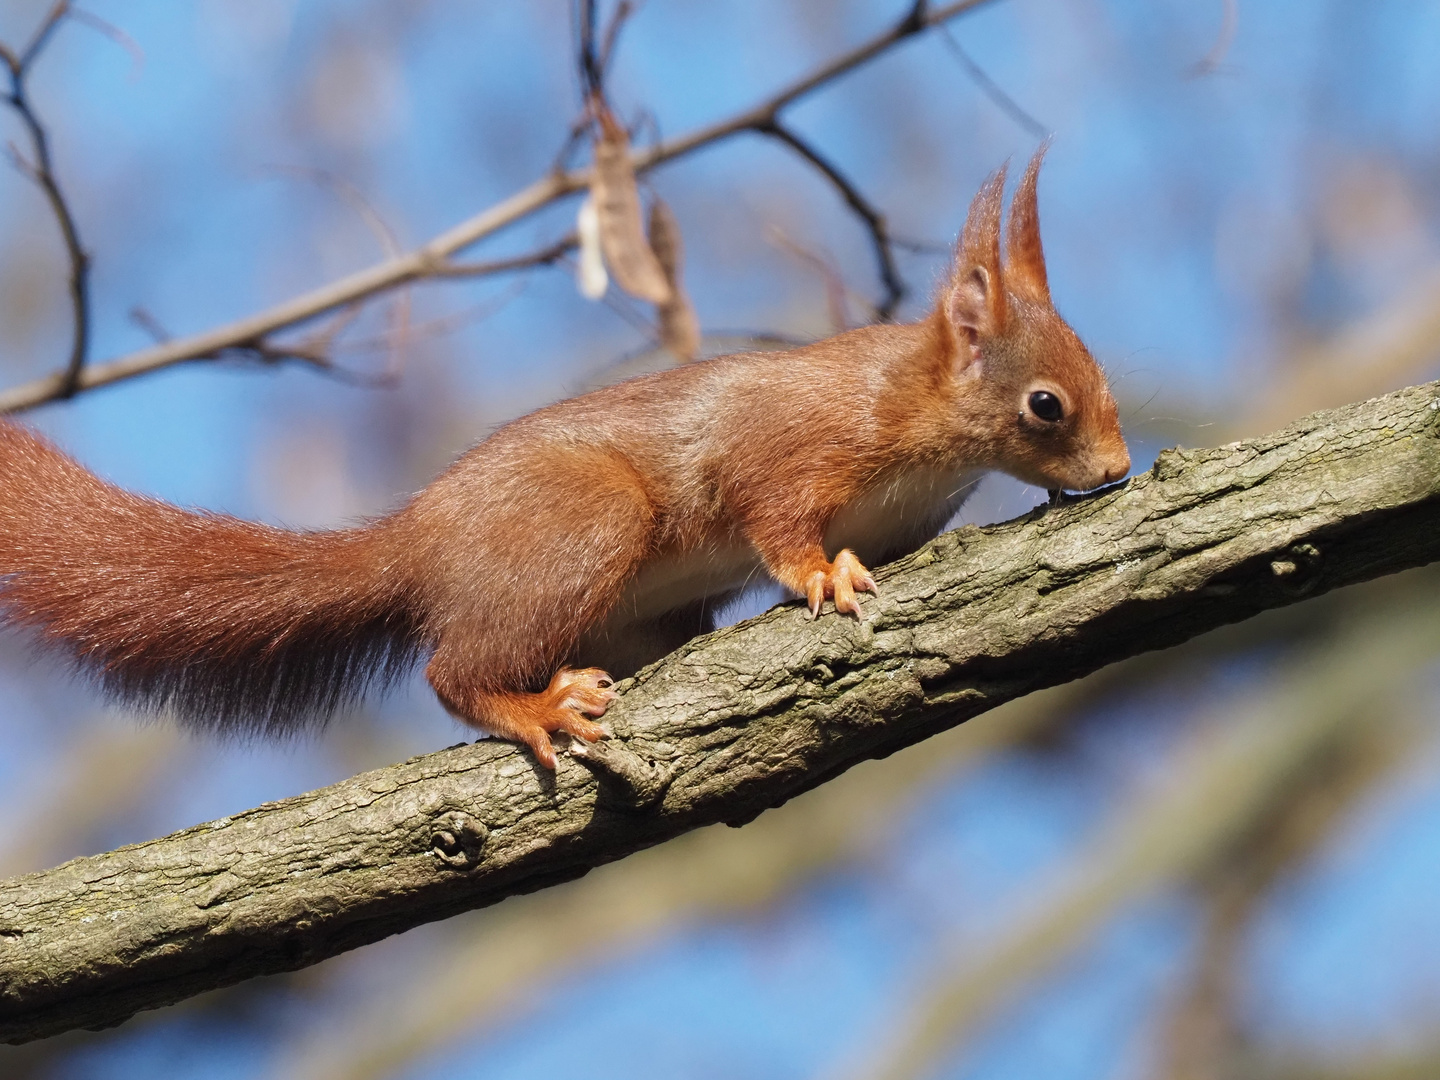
[(229, 624)]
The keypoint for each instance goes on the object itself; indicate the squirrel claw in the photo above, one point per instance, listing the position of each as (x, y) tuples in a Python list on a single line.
[(584, 690), (573, 695), (845, 578)]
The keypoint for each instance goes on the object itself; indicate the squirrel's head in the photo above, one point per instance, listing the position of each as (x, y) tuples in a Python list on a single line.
[(1026, 377)]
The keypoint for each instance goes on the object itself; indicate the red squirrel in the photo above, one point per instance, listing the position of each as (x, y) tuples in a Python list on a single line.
[(588, 538)]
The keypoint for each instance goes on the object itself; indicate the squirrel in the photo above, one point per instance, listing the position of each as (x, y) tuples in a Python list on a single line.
[(587, 538)]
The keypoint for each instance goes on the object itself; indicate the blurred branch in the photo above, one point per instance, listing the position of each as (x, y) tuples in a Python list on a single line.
[(991, 89), (1232, 784), (1397, 343), (389, 243), (736, 721), (40, 168), (1229, 24), (1421, 1063), (873, 219), (597, 47), (541, 257), (1204, 1037), (590, 73), (98, 782), (497, 963), (433, 259)]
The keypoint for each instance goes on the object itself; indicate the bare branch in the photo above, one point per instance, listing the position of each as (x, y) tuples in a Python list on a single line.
[(916, 19), (873, 219), (592, 79), (146, 320), (115, 34), (1204, 1032), (441, 325), (42, 171), (430, 260), (38, 42), (1229, 24), (551, 253), (710, 873), (739, 720), (1008, 105), (389, 243), (623, 11), (836, 290)]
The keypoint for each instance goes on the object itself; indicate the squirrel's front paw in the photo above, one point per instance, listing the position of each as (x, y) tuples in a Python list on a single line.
[(842, 581)]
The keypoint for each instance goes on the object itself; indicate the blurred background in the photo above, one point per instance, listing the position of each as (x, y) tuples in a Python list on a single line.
[(1218, 861)]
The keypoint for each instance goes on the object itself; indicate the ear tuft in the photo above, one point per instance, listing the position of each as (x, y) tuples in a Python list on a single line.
[(1024, 256), (976, 298), (968, 305)]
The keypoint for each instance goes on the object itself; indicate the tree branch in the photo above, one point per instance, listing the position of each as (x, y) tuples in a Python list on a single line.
[(874, 220), (991, 89), (42, 171), (735, 722), (432, 259)]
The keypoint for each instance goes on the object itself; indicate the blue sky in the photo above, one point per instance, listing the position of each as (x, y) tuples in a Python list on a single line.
[(1200, 231)]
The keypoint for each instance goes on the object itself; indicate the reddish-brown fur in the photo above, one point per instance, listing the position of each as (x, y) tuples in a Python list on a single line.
[(600, 531)]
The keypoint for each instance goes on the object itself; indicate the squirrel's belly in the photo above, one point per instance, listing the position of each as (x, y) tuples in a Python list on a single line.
[(670, 600), (900, 513), (673, 581)]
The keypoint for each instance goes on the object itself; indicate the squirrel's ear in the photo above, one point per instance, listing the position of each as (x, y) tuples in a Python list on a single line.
[(1025, 259), (975, 300)]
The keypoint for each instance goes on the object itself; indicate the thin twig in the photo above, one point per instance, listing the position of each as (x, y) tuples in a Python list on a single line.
[(573, 140), (919, 247), (41, 170), (145, 320), (873, 219), (612, 35), (592, 78), (41, 38), (836, 291), (389, 246), (316, 351), (916, 19), (115, 34), (545, 256), (443, 324), (1229, 24), (1003, 101), (430, 259)]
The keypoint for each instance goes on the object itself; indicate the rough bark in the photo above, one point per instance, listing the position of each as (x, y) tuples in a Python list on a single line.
[(735, 722)]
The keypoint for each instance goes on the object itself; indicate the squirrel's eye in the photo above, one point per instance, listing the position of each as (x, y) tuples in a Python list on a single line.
[(1046, 406)]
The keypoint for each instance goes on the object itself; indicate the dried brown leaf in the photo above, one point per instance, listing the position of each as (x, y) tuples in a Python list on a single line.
[(678, 323), (617, 201), (679, 327)]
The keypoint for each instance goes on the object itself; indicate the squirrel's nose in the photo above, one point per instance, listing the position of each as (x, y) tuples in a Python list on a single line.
[(1118, 468)]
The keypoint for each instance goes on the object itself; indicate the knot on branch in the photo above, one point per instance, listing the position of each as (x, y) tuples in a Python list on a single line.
[(634, 781), (1299, 569), (457, 839)]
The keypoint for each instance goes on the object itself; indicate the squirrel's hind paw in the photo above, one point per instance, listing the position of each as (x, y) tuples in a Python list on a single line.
[(586, 690), (532, 718)]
